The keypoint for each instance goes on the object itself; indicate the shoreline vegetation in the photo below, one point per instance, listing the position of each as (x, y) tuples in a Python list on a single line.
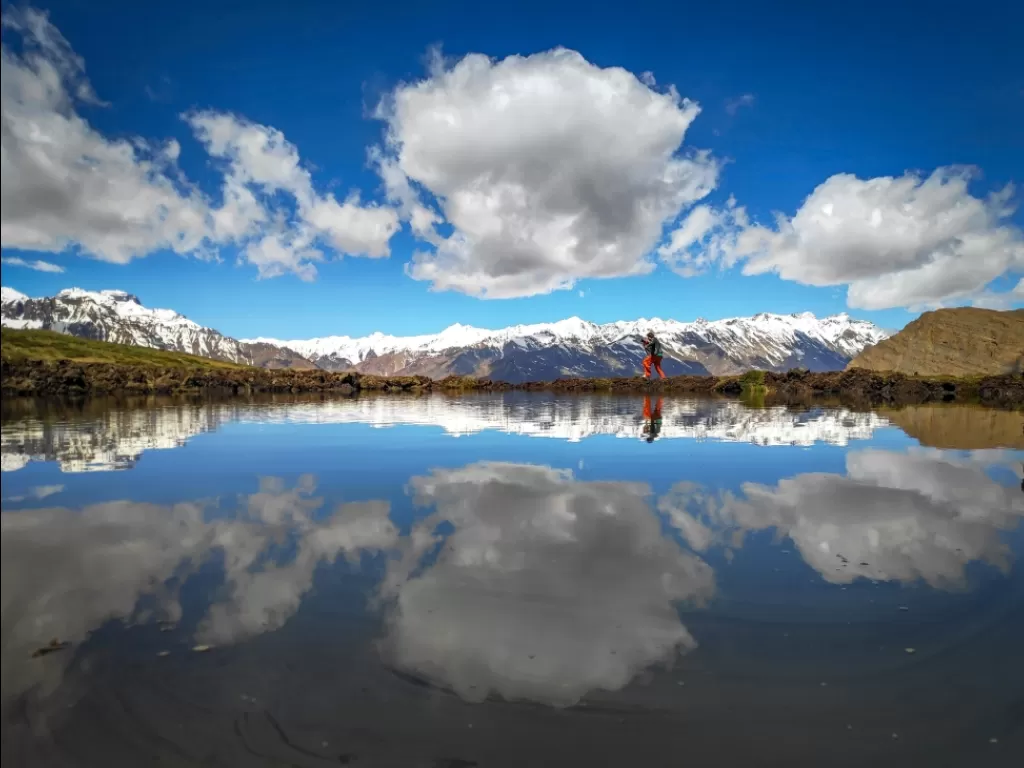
[(46, 364)]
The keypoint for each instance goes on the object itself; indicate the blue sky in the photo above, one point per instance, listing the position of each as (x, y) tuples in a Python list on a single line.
[(790, 97)]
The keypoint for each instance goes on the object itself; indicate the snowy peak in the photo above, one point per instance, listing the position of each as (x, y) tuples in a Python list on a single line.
[(11, 296), (120, 317), (112, 296)]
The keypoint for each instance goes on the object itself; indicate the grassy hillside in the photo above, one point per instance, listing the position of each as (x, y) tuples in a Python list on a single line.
[(22, 346)]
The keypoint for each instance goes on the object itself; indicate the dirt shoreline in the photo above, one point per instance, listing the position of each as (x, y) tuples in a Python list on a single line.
[(68, 378)]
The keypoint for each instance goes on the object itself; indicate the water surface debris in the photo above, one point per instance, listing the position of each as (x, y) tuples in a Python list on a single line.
[(54, 646)]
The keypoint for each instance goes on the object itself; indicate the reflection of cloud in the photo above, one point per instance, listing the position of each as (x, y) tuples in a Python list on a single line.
[(36, 492), (547, 587), (66, 572), (116, 439), (923, 514), (263, 598)]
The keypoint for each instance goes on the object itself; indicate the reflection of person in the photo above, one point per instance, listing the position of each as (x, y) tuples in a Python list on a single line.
[(654, 354), (652, 419)]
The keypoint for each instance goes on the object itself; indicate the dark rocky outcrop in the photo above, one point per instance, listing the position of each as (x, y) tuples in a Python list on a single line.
[(62, 378)]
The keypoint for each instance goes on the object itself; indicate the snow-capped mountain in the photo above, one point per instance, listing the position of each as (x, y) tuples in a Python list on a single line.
[(575, 347), (119, 317), (117, 439), (571, 347)]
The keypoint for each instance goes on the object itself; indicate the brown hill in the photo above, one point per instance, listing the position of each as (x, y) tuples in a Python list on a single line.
[(952, 342)]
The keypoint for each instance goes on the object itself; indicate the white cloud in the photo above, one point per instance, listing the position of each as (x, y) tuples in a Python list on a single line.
[(1001, 299), (546, 588), (547, 168), (695, 244), (901, 241), (352, 228), (37, 265), (260, 159), (279, 253), (732, 106), (66, 186), (258, 154)]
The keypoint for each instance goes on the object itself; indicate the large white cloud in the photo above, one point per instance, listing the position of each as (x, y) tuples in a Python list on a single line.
[(68, 186), (547, 168), (908, 241), (547, 587)]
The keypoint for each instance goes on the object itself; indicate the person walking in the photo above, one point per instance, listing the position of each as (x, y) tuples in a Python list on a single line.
[(654, 352)]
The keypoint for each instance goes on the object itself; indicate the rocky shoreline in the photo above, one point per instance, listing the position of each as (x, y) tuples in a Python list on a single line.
[(67, 378)]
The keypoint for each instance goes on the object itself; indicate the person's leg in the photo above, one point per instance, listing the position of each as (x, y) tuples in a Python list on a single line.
[(657, 367), (647, 367)]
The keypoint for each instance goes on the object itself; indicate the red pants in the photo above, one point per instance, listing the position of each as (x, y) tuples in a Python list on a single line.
[(656, 362), (648, 413)]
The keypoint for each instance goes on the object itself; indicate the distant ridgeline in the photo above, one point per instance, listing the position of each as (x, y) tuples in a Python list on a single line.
[(522, 353)]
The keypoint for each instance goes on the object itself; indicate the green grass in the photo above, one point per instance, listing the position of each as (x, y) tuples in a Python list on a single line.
[(752, 379), (754, 388), (20, 346)]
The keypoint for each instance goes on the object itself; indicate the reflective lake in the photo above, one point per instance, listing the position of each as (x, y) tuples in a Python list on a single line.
[(518, 580)]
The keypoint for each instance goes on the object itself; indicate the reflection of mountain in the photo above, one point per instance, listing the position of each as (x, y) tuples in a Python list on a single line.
[(924, 514), (961, 428), (115, 439), (546, 587), (578, 418), (66, 572)]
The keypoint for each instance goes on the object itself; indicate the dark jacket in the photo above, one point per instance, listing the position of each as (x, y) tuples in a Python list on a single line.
[(653, 347)]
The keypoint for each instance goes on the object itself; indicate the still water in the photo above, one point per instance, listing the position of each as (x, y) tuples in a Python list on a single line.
[(519, 580)]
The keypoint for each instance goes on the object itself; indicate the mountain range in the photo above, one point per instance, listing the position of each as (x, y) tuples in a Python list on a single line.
[(571, 347)]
